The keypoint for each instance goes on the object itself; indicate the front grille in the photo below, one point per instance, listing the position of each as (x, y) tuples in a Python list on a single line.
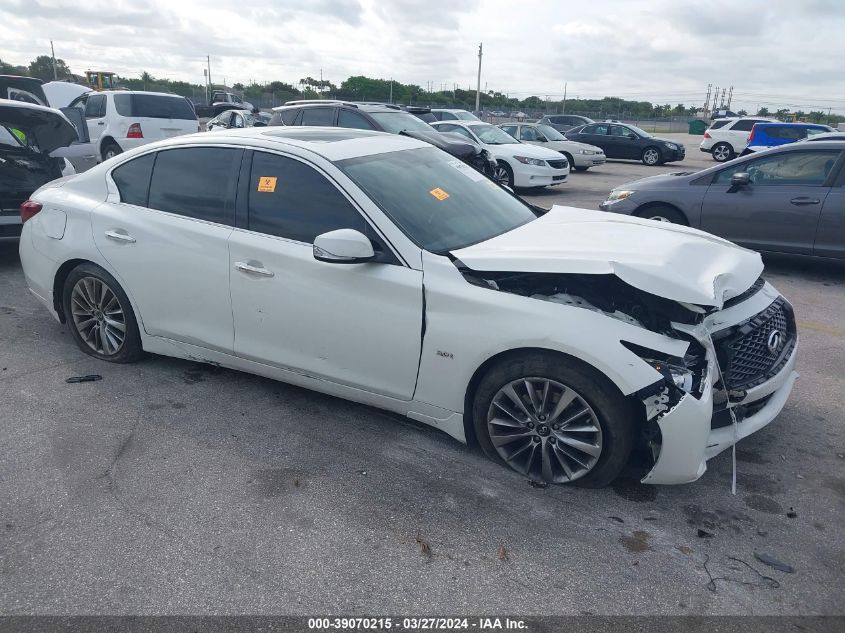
[(751, 352), (558, 164)]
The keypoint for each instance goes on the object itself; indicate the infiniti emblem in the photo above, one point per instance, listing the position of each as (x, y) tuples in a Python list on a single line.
[(774, 342)]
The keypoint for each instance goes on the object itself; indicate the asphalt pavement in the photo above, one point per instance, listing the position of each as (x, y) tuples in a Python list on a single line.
[(171, 487)]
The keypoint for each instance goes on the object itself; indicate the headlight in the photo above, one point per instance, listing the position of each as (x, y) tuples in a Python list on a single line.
[(671, 145), (681, 377), (586, 151), (530, 161), (619, 194)]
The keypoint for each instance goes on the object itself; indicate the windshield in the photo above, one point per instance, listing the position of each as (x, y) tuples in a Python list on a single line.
[(463, 115), (439, 202), (395, 122), (551, 133), (638, 131), (492, 135)]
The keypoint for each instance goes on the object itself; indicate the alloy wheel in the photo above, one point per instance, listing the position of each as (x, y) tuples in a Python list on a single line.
[(98, 316), (721, 153), (501, 176), (651, 157), (544, 429), (660, 218)]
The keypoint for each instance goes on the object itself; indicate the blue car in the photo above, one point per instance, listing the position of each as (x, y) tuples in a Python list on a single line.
[(766, 135)]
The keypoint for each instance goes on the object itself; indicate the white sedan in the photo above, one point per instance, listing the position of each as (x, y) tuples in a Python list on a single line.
[(520, 164), (581, 156), (377, 268)]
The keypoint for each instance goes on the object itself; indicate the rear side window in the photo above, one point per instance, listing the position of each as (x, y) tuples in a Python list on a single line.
[(95, 107), (745, 125), (290, 199), (153, 106), (133, 180), (318, 116), (719, 123), (197, 182)]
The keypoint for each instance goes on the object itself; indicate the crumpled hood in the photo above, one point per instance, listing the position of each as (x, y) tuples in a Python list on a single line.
[(50, 128), (667, 260)]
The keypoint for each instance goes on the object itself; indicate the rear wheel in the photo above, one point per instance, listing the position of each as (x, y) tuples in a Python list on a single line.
[(651, 156), (662, 213), (553, 420), (503, 174), (110, 150), (722, 152), (100, 316)]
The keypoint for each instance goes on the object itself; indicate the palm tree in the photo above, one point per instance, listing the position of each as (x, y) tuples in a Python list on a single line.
[(146, 77)]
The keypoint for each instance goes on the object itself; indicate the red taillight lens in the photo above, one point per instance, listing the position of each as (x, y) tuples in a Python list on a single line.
[(753, 130), (707, 135), (135, 131), (29, 209)]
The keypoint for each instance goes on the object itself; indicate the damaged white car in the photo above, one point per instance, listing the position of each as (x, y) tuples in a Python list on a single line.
[(377, 268)]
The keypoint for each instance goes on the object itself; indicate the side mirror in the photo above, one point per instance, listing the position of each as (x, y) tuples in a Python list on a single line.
[(740, 179), (343, 246), (541, 139), (632, 136)]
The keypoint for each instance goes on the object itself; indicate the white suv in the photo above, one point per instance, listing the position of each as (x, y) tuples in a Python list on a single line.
[(120, 120), (726, 138)]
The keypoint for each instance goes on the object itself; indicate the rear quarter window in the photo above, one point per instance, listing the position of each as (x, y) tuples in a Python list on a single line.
[(717, 124), (154, 107), (133, 180)]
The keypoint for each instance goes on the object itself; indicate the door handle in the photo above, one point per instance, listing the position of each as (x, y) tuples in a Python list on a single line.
[(254, 270), (804, 201), (120, 237), (101, 123)]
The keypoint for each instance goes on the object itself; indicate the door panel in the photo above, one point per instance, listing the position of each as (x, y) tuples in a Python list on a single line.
[(175, 266), (830, 238), (358, 325), (779, 210)]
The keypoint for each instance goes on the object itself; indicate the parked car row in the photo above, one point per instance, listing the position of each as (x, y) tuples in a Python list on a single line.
[(729, 137)]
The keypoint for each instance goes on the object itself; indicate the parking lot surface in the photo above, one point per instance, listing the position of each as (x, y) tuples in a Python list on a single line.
[(175, 487)]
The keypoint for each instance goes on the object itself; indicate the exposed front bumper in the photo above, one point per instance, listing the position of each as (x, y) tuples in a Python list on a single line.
[(695, 430), (588, 160), (531, 176)]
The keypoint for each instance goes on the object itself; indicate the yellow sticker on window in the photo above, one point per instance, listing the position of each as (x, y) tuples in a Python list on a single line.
[(439, 194), (267, 183)]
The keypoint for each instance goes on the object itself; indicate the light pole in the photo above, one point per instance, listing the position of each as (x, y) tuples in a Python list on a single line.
[(478, 85)]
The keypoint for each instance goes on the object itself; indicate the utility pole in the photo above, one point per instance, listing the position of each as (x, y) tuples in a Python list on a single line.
[(53, 52), (707, 100), (208, 61), (478, 85), (205, 75), (565, 85), (391, 91), (730, 96), (722, 101)]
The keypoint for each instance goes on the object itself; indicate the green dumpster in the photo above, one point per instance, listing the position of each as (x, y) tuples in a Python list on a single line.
[(697, 127)]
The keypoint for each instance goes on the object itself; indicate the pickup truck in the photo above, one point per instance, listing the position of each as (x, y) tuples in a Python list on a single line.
[(221, 101)]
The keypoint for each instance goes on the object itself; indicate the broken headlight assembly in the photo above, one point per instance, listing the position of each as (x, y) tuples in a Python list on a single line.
[(619, 194), (676, 375), (685, 374)]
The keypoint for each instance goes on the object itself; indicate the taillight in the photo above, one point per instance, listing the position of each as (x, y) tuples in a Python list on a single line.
[(135, 131), (29, 209), (707, 135)]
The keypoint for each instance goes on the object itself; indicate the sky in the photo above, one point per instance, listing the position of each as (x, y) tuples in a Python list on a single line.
[(776, 53)]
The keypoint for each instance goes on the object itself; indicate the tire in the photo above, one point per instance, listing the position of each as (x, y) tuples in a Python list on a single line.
[(652, 156), (662, 213), (570, 160), (109, 310), (722, 152), (604, 408), (581, 168), (504, 174), (110, 150)]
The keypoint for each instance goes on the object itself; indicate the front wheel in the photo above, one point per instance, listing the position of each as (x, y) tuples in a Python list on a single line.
[(100, 316), (553, 419), (581, 168), (503, 174), (651, 156)]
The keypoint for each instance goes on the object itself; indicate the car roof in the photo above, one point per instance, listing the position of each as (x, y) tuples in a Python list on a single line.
[(134, 92), (448, 110), (796, 124), (332, 143), (461, 122)]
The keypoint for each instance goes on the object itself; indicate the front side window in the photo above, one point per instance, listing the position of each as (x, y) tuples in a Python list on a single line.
[(290, 199), (528, 133), (196, 182), (346, 118), (788, 168), (510, 129), (133, 179), (599, 130), (440, 203)]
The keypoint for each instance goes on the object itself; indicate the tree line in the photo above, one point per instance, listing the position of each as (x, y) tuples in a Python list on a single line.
[(360, 88)]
